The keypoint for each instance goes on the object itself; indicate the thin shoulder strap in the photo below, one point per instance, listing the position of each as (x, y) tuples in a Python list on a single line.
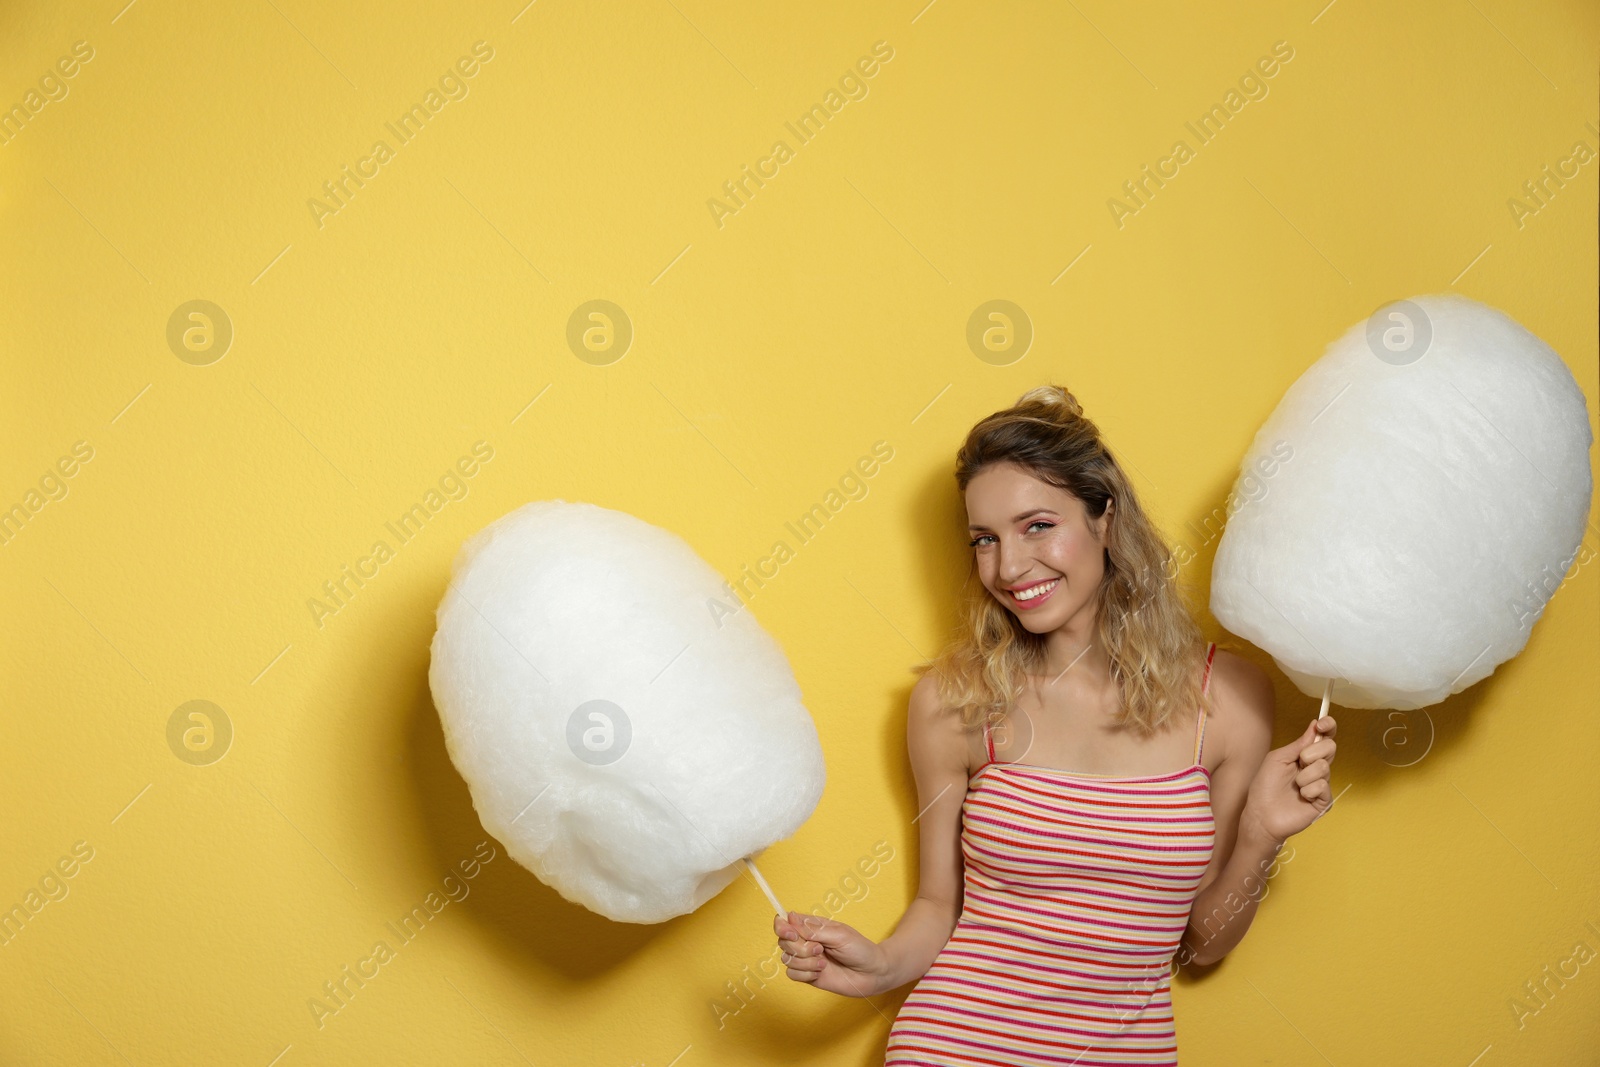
[(1205, 684), (988, 740)]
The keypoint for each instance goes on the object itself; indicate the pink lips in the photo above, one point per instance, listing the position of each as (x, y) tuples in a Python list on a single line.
[(1028, 605)]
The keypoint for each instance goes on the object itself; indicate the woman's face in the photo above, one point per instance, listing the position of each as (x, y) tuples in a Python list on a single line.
[(1031, 538)]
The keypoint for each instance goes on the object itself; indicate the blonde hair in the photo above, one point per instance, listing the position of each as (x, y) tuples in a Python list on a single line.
[(1153, 642)]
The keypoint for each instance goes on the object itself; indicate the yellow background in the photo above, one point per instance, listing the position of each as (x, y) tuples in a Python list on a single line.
[(769, 354)]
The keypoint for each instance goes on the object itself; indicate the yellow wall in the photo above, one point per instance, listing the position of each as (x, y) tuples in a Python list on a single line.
[(375, 345)]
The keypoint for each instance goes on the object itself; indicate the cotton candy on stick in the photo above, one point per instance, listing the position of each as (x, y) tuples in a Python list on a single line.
[(1409, 507), (629, 734)]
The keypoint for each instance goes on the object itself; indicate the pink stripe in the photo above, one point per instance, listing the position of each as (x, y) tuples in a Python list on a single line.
[(1133, 977), (1152, 918), (1149, 846), (1034, 783), (1148, 873), (1140, 824), (1037, 1032), (1100, 922), (1133, 787), (1012, 1061), (936, 981)]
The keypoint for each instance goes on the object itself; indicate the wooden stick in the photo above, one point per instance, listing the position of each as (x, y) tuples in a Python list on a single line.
[(1327, 692), (765, 888)]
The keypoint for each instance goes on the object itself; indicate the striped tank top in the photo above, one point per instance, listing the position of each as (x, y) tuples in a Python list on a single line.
[(1076, 892)]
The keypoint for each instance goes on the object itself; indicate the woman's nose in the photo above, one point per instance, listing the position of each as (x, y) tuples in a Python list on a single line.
[(1014, 563)]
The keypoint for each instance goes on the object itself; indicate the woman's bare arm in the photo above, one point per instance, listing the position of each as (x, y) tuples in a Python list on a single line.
[(1235, 881), (1259, 798), (838, 958), (940, 760)]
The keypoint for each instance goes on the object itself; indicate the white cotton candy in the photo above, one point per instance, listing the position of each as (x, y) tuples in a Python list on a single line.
[(700, 751), (1409, 507)]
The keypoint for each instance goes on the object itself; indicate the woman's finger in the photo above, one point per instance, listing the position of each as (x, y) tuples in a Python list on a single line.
[(1316, 790), (834, 934), (1319, 749), (801, 948), (801, 976), (1317, 771), (809, 964)]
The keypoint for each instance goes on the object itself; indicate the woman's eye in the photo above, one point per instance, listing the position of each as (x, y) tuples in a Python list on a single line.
[(974, 543)]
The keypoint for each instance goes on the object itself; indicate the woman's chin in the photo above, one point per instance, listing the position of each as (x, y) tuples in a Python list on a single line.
[(1034, 621)]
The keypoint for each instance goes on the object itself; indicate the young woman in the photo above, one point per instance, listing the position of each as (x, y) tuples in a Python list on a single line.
[(1096, 794)]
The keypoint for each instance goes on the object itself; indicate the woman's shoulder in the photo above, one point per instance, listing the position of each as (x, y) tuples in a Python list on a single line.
[(1243, 703), (927, 712), (925, 698), (935, 732)]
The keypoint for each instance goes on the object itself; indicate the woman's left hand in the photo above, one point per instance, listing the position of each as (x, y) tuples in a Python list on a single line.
[(1293, 786)]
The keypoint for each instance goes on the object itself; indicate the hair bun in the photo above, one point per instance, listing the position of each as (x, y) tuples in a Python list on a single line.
[(1057, 397)]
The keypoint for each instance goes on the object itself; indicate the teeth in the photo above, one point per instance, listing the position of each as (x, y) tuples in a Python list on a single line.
[(1036, 590)]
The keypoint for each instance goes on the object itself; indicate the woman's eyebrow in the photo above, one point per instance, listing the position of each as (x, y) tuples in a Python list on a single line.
[(1018, 518)]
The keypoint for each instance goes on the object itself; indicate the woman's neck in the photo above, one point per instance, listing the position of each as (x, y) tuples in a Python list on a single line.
[(1074, 647)]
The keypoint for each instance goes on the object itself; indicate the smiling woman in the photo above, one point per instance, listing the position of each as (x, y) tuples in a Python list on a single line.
[(1074, 818), (1047, 503)]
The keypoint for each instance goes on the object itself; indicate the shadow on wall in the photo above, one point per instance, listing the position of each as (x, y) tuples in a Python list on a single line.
[(532, 925), (539, 933)]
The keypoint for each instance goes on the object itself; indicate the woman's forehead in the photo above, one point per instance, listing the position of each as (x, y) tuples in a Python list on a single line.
[(1005, 493)]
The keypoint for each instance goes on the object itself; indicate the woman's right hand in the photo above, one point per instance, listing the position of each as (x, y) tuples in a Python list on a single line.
[(830, 955)]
